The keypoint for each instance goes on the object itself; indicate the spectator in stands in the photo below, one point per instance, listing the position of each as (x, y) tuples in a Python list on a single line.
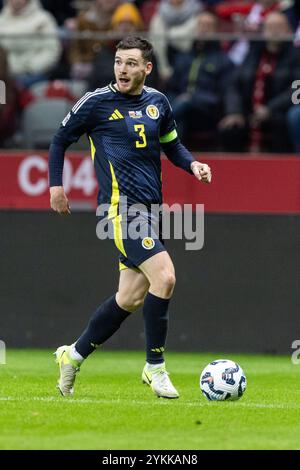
[(96, 19), (125, 20), (147, 9), (16, 99), (30, 58), (293, 120), (231, 13), (61, 9), (253, 13), (248, 16), (199, 81), (172, 30), (260, 10), (259, 96), (293, 116)]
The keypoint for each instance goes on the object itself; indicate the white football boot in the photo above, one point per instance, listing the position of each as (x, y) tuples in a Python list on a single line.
[(156, 376), (68, 369)]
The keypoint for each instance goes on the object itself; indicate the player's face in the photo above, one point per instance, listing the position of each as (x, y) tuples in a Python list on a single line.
[(131, 71)]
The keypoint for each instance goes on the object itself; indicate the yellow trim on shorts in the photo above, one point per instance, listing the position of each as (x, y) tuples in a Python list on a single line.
[(123, 266), (118, 234)]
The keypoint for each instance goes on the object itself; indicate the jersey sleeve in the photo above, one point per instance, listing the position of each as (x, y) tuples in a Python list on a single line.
[(170, 143), (168, 126), (77, 122)]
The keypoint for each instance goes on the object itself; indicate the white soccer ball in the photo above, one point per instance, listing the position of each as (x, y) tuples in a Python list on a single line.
[(223, 379)]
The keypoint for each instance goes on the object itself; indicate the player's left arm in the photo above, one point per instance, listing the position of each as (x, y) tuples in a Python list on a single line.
[(178, 153), (181, 157)]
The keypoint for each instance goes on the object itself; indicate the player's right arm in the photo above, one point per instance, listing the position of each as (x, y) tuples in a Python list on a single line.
[(59, 201), (78, 121)]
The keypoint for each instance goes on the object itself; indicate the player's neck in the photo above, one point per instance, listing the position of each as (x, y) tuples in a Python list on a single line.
[(135, 93)]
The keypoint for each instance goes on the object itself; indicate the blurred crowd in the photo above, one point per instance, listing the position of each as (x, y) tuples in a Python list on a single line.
[(227, 66)]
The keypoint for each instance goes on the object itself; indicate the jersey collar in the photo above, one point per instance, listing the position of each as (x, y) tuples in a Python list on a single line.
[(112, 87)]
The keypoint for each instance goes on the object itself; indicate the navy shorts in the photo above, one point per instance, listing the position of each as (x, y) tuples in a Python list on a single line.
[(137, 239)]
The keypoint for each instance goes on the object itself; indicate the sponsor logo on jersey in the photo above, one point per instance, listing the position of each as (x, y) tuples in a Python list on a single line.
[(148, 243), (152, 111), (135, 114)]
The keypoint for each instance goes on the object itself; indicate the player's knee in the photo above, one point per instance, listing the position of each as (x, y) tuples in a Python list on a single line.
[(169, 280), (136, 303), (165, 282), (131, 302)]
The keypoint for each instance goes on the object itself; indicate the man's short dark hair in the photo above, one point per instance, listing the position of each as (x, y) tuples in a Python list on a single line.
[(136, 42)]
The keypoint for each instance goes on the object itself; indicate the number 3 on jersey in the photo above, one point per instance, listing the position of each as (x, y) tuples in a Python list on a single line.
[(140, 128)]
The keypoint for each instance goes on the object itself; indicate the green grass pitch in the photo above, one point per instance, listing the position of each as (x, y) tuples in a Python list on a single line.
[(111, 409)]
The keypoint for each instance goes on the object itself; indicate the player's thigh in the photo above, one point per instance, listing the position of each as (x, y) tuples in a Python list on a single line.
[(159, 269), (133, 287)]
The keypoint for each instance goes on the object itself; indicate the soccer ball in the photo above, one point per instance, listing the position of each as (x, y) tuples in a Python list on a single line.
[(223, 380)]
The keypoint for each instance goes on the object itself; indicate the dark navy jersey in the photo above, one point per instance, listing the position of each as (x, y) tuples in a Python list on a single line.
[(126, 133)]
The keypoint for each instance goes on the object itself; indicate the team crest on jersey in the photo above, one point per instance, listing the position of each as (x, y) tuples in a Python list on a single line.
[(135, 114), (148, 243), (152, 111)]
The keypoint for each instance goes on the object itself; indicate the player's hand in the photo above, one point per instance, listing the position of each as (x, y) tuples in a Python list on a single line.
[(59, 201), (202, 171)]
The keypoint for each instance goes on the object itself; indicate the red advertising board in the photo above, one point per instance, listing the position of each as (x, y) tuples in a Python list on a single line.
[(24, 180), (241, 184)]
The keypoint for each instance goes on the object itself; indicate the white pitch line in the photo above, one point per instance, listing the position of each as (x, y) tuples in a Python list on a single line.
[(79, 400), (88, 401)]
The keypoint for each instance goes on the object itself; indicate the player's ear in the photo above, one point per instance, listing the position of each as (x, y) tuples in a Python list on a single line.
[(149, 67)]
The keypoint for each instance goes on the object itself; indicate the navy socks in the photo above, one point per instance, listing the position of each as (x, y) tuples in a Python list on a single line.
[(156, 327), (106, 320)]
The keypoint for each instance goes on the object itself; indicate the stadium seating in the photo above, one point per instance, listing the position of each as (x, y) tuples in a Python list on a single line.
[(44, 89), (40, 121)]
